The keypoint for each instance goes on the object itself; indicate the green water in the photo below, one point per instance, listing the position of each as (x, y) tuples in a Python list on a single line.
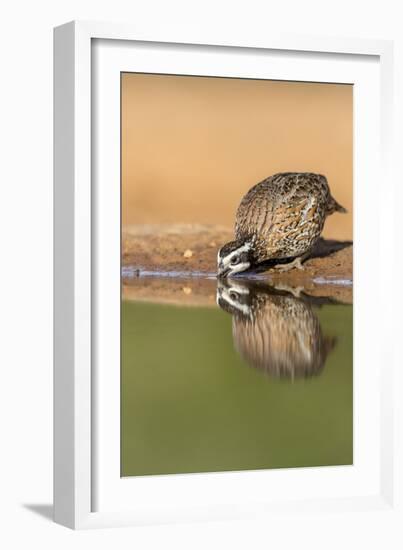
[(190, 403)]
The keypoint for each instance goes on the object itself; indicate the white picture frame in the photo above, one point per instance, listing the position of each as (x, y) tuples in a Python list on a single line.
[(88, 491)]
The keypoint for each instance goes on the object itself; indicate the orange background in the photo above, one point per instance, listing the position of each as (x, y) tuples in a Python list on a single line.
[(192, 146)]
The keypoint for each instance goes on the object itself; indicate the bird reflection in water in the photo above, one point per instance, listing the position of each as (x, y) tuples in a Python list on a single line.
[(275, 330)]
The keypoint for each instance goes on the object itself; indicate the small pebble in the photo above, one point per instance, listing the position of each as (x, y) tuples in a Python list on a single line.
[(212, 243), (187, 290), (188, 253)]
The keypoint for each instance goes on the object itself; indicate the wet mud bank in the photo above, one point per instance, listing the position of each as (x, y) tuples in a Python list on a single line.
[(177, 264)]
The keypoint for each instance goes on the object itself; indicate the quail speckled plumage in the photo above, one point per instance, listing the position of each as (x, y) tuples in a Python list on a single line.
[(280, 218), (273, 330)]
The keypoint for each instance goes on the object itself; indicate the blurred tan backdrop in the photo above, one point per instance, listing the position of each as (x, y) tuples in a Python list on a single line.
[(192, 146)]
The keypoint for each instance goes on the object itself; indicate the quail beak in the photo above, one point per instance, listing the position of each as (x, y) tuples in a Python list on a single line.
[(222, 271)]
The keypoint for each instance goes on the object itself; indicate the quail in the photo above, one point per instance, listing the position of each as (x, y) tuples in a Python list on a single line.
[(278, 219), (273, 330)]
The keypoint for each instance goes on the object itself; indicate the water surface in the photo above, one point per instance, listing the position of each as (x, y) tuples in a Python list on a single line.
[(262, 380)]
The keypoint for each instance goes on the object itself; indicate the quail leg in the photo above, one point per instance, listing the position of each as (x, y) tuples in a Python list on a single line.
[(297, 263), (295, 291)]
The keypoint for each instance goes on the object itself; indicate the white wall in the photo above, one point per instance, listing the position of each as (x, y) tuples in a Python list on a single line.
[(26, 253)]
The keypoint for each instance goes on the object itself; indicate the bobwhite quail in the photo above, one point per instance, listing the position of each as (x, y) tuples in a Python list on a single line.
[(273, 330), (279, 219)]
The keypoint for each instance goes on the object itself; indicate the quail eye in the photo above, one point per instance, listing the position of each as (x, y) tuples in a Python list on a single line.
[(233, 295), (234, 260)]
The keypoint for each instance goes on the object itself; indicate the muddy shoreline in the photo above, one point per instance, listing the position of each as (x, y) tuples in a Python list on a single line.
[(177, 264)]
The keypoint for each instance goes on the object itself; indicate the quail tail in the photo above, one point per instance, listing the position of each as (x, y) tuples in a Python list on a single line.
[(334, 206)]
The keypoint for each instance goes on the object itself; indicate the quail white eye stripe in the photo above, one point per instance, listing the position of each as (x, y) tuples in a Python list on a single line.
[(238, 268), (245, 309), (239, 289), (227, 259)]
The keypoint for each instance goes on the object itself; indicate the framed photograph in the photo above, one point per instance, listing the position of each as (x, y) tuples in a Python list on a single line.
[(212, 196)]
